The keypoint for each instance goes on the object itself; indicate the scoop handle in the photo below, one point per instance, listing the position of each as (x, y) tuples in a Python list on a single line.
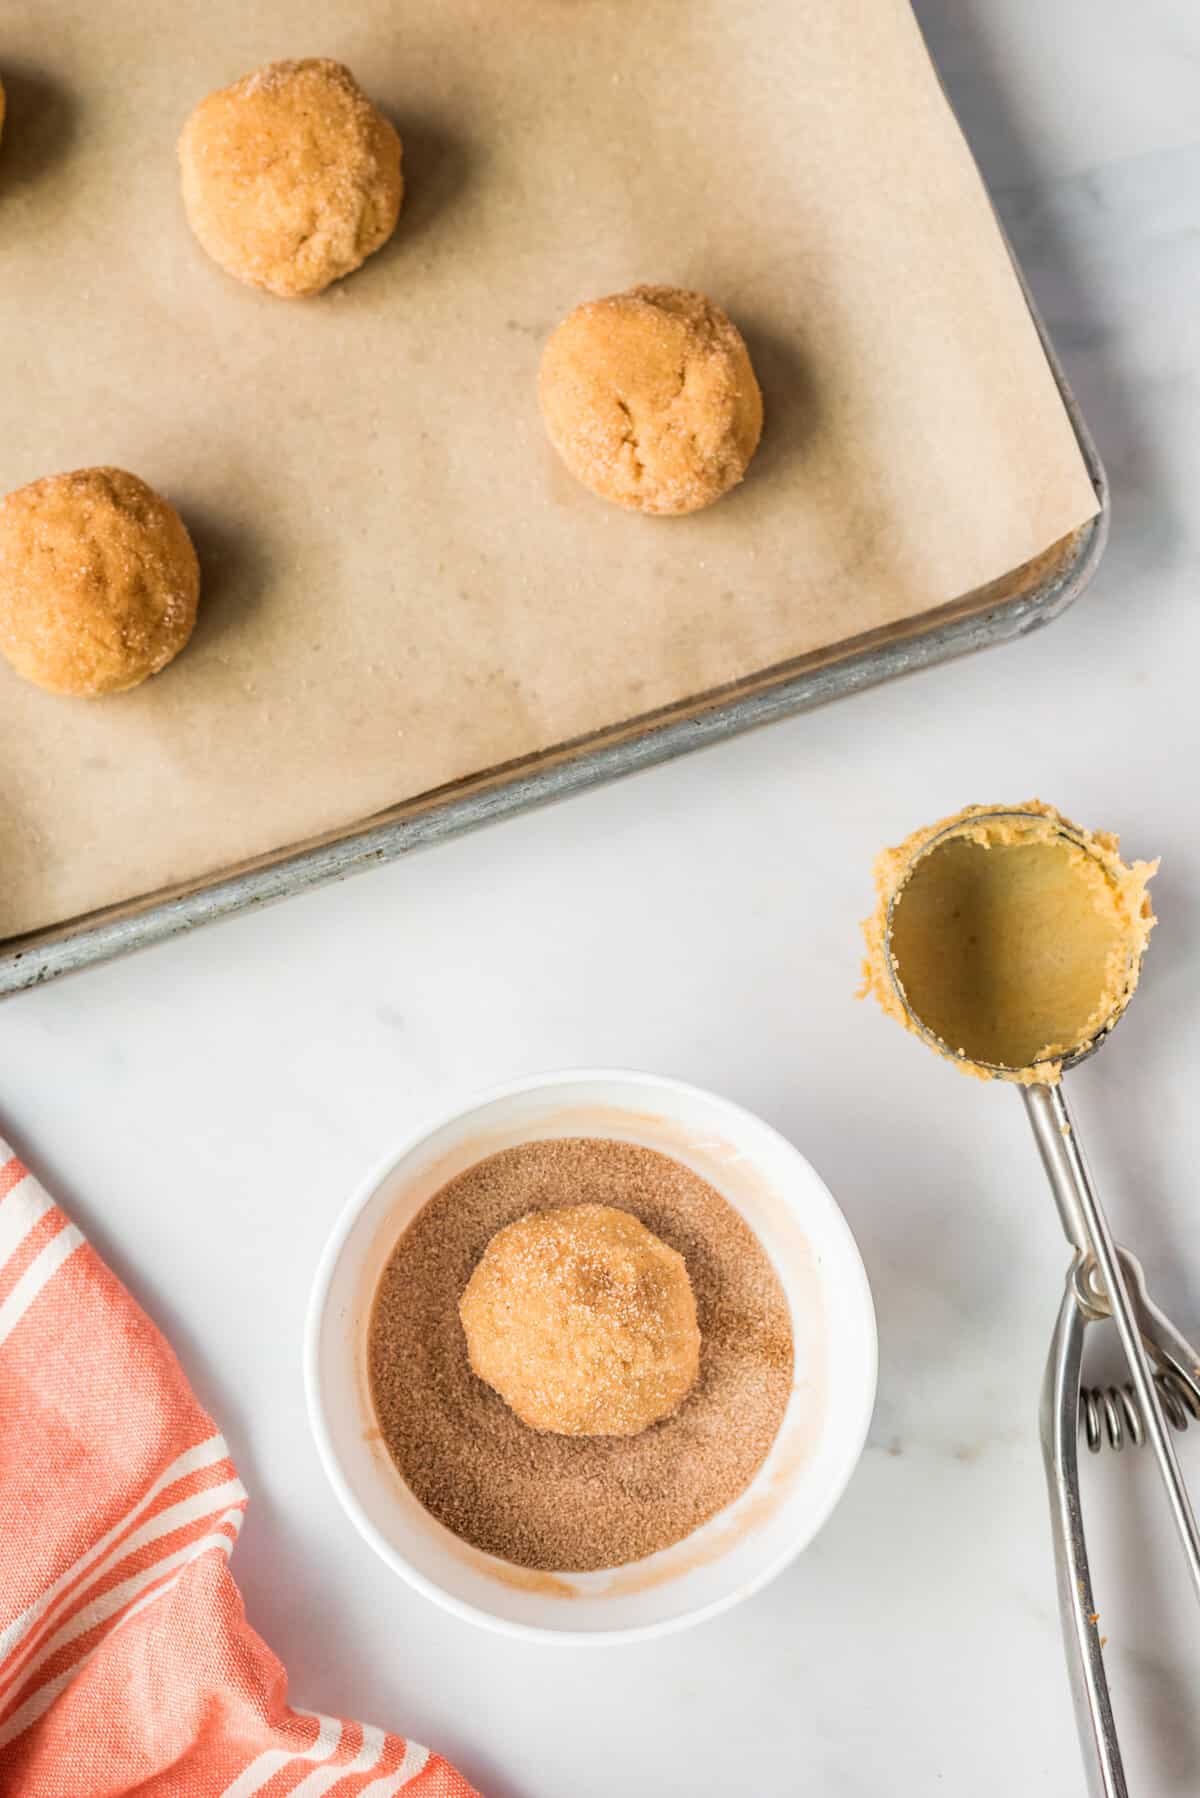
[(1080, 1624), (1104, 1283)]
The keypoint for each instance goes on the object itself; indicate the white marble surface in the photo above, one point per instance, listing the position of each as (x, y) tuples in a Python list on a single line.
[(205, 1108)]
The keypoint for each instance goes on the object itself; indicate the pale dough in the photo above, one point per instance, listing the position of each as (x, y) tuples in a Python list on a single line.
[(583, 1321), (650, 399), (291, 178), (99, 582), (1015, 937)]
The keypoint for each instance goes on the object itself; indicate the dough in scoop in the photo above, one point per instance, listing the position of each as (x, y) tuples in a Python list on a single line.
[(1012, 938), (99, 582), (650, 399), (291, 178), (583, 1321)]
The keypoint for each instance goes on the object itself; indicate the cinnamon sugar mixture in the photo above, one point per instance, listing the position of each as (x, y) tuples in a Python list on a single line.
[(563, 1503)]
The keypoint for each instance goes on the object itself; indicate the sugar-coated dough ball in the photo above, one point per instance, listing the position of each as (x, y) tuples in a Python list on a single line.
[(99, 581), (291, 178), (650, 399), (583, 1322)]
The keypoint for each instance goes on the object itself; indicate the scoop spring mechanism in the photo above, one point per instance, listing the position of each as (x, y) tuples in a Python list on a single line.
[(1112, 1415)]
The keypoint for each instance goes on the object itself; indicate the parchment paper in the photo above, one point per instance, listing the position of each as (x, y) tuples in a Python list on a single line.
[(401, 585)]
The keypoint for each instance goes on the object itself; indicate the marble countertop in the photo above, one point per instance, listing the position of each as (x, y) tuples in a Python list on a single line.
[(206, 1108)]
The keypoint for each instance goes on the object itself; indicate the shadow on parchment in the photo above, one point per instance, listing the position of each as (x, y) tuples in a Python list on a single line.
[(234, 566), (791, 399), (439, 166), (41, 123), (439, 169)]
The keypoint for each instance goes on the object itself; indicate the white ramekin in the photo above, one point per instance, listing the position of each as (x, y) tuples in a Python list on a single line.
[(823, 1430)]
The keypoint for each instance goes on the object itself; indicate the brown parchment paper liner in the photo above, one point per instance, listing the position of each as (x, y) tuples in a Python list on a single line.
[(402, 586)]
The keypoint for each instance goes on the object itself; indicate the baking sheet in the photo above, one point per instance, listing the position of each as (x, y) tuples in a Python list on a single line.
[(402, 588)]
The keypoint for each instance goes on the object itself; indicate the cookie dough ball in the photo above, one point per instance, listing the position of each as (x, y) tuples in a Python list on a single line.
[(650, 399), (98, 582), (583, 1321), (291, 178)]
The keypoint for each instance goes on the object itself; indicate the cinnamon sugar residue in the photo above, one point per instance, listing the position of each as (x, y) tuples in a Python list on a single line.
[(558, 1503)]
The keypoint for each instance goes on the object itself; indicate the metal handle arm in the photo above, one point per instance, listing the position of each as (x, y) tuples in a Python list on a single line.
[(1087, 1228), (1081, 1636)]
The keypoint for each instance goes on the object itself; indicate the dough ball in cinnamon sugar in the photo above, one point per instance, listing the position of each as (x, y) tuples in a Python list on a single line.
[(650, 399), (99, 582), (291, 177), (583, 1321)]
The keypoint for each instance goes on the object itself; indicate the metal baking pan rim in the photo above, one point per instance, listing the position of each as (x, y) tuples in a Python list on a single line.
[(80, 943)]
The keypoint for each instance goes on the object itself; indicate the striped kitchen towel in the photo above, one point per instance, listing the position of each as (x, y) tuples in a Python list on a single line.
[(126, 1662)]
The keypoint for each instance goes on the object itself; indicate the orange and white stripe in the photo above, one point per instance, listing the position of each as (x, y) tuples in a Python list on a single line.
[(23, 1206), (326, 1779), (117, 1561), (90, 1566), (44, 1696), (409, 1757)]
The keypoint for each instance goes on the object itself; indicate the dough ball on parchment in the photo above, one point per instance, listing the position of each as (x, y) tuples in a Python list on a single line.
[(99, 582), (650, 399), (583, 1322), (291, 178)]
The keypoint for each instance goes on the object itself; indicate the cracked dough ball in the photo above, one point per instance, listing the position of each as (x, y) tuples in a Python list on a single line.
[(583, 1321), (291, 178), (650, 399), (98, 582)]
